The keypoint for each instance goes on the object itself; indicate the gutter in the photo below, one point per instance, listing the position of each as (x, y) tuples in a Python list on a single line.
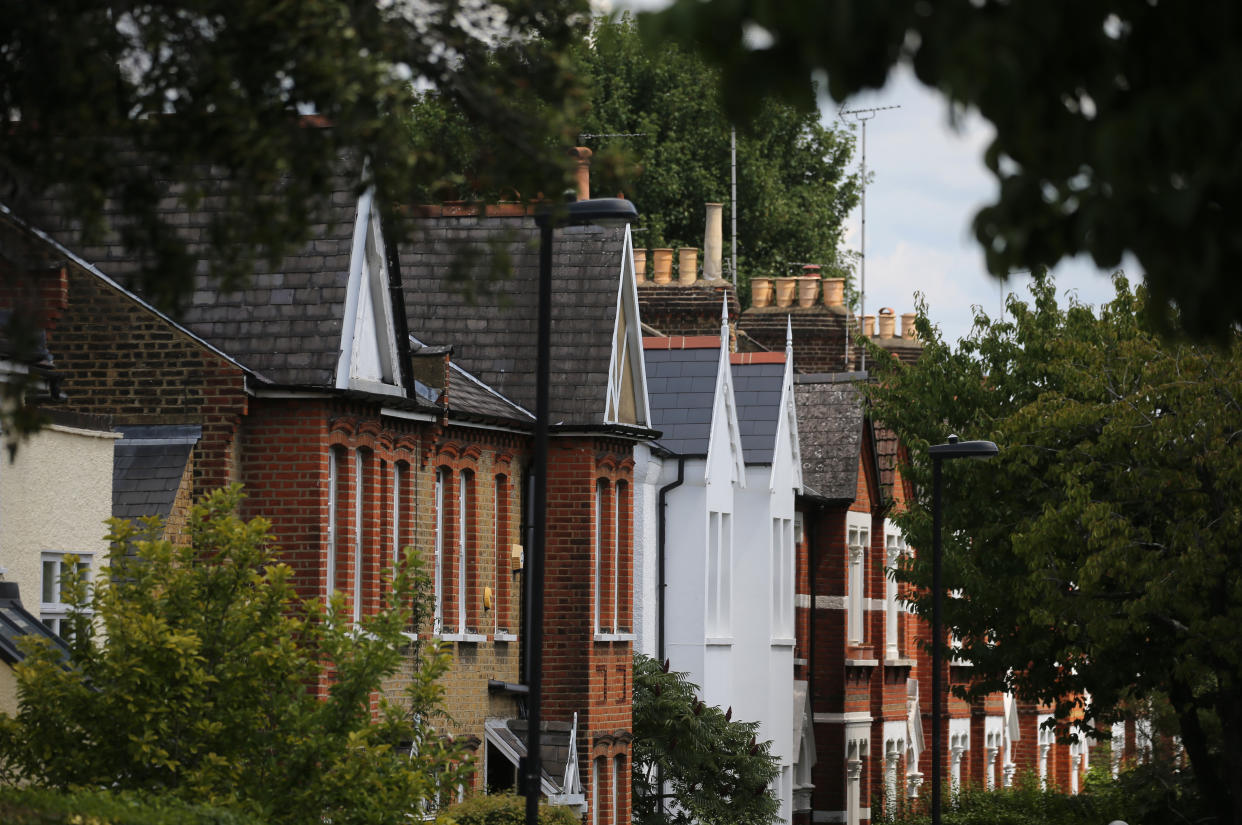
[(661, 507)]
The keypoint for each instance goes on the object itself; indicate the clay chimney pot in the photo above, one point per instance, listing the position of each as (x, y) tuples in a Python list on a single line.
[(887, 321)]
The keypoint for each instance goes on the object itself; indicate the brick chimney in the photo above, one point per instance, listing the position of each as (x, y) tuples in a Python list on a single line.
[(583, 171), (713, 242)]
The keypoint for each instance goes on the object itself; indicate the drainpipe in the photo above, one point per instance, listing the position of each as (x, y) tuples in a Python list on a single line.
[(660, 548)]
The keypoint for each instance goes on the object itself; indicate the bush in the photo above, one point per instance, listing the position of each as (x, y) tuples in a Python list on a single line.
[(502, 809), (33, 806)]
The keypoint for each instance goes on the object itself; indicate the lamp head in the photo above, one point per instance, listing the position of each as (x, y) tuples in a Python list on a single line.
[(963, 449)]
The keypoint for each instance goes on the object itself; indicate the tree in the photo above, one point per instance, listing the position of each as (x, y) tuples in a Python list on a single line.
[(133, 103), (1115, 123), (194, 673), (1095, 560), (656, 120), (715, 770)]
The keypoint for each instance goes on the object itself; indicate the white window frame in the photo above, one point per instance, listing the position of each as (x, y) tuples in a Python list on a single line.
[(719, 578), (359, 532), (333, 525), (616, 790), (398, 478), (617, 553), (463, 550), (438, 566), (894, 549), (502, 559), (54, 612), (858, 538)]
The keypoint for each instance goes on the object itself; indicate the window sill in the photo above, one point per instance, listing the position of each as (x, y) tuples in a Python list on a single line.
[(472, 638), (501, 636), (899, 662), (783, 641), (409, 637), (614, 637), (861, 662), (718, 641)]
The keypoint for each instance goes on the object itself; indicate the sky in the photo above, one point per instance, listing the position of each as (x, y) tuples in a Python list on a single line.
[(928, 181)]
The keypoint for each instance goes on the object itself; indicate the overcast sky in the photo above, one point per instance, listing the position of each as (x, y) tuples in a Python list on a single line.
[(928, 180)]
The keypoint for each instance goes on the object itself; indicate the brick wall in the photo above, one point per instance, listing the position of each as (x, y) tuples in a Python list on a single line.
[(687, 310), (121, 359), (819, 334)]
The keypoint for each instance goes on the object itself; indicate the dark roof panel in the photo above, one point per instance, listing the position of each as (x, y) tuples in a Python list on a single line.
[(681, 407), (493, 337), (148, 465), (757, 392), (830, 429)]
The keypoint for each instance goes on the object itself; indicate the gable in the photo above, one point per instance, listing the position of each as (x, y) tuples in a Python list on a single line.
[(724, 449), (369, 357), (627, 401), (787, 457)]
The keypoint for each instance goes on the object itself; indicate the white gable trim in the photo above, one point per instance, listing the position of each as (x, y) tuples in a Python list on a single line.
[(725, 404), (787, 455), (369, 358), (631, 344)]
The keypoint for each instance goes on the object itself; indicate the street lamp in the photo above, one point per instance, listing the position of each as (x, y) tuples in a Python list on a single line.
[(606, 212), (940, 453)]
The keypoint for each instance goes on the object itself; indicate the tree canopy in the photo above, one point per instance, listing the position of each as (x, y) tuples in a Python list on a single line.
[(716, 773), (249, 108), (656, 121), (1115, 122), (194, 674), (1095, 559)]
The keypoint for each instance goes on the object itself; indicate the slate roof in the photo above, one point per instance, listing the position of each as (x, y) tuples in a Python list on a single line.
[(757, 392), (286, 323), (886, 445), (494, 337), (148, 464), (830, 431), (470, 398), (554, 744), (681, 388), (16, 622)]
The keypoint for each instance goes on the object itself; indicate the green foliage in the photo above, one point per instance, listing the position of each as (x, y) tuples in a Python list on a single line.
[(502, 809), (1083, 98), (127, 107), (794, 191), (194, 673), (716, 771), (36, 806), (1096, 556)]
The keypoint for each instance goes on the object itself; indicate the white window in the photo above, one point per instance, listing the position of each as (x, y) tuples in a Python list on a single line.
[(333, 524), (894, 549), (500, 599), (596, 803), (601, 551), (398, 478), (618, 538), (618, 765), (858, 536), (53, 609), (438, 563), (719, 573), (463, 552), (782, 577), (359, 530)]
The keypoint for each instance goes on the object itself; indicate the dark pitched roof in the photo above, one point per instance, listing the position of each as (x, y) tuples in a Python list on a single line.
[(681, 388), (286, 323), (886, 445), (148, 464), (757, 392), (494, 339), (16, 622), (554, 744), (470, 398), (830, 430)]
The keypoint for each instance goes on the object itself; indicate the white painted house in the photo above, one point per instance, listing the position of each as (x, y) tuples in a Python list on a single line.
[(722, 481)]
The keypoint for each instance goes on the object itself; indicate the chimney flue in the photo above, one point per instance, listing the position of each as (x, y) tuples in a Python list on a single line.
[(713, 242), (583, 171), (887, 320)]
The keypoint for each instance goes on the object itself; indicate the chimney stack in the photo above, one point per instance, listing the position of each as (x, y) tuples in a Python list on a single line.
[(583, 172), (887, 320), (713, 242)]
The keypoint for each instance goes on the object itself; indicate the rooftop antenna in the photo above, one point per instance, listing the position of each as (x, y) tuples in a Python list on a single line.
[(862, 116)]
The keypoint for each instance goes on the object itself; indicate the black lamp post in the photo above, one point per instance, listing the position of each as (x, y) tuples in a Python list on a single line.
[(603, 211), (940, 453)]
